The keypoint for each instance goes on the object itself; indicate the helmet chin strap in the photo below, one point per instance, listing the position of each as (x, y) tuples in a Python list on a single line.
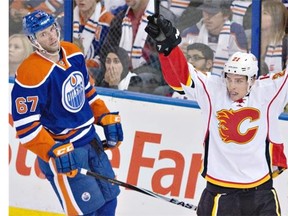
[(250, 81), (42, 50)]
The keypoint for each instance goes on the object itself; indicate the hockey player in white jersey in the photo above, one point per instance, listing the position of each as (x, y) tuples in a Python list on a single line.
[(243, 149), (54, 108)]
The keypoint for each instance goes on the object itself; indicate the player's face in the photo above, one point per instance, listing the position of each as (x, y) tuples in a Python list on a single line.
[(48, 39), (237, 86)]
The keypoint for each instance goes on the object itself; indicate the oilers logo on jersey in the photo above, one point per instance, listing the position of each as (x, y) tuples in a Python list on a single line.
[(73, 92)]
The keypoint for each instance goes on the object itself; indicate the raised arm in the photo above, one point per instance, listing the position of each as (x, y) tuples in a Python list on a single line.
[(173, 62)]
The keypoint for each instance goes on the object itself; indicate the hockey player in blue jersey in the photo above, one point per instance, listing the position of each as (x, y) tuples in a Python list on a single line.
[(54, 108)]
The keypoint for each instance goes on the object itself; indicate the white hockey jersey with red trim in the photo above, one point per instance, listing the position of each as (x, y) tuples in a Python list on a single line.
[(242, 142)]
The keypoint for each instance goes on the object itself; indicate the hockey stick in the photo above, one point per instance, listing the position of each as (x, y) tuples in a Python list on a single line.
[(157, 7), (141, 190), (105, 145)]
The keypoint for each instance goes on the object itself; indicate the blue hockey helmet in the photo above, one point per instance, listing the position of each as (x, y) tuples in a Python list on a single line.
[(36, 21)]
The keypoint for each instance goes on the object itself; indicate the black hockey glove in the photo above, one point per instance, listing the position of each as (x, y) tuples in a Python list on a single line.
[(163, 32)]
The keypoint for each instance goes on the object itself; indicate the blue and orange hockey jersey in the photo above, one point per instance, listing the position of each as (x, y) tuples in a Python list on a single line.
[(55, 101)]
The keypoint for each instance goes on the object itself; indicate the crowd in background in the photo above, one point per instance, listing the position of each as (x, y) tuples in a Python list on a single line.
[(119, 54)]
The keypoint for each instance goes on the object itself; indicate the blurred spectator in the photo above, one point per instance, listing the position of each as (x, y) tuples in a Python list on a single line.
[(127, 31), (119, 9), (114, 6), (151, 79), (190, 16), (91, 24), (286, 108), (241, 13), (176, 6), (20, 8), (164, 90), (19, 49), (95, 74), (136, 84), (239, 9), (285, 2), (273, 38), (217, 31), (50, 6), (273, 34), (264, 70), (15, 17), (201, 57), (117, 74)]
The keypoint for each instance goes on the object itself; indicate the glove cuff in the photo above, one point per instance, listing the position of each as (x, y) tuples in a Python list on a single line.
[(60, 149), (169, 43), (109, 118)]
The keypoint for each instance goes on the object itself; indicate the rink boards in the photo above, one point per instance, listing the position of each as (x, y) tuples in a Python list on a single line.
[(159, 134)]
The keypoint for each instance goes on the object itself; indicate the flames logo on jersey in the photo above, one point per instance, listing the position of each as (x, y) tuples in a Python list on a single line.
[(73, 92), (234, 125)]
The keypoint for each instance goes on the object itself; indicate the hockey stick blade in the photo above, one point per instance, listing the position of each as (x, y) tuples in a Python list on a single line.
[(140, 190)]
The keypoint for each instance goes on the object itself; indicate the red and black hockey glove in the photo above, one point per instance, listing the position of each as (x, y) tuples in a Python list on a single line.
[(164, 33), (112, 128), (63, 153)]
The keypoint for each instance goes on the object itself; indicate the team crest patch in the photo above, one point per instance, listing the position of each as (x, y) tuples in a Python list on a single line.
[(86, 196), (73, 92)]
